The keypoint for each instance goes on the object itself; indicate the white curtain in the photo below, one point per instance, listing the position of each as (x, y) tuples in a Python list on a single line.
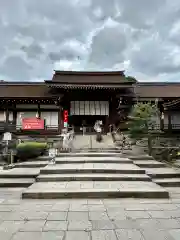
[(51, 118), (10, 116), (21, 115), (89, 108), (2, 116)]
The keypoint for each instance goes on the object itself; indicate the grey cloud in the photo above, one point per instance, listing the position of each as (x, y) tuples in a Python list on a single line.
[(102, 9), (139, 13), (15, 68), (108, 46), (37, 36), (33, 50), (153, 57), (54, 56)]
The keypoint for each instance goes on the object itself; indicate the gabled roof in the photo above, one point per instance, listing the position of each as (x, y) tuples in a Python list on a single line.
[(77, 77), (90, 73)]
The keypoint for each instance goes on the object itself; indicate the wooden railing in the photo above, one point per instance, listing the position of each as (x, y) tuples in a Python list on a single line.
[(166, 126)]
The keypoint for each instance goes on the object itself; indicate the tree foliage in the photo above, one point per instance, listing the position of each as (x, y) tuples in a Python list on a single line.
[(131, 79), (142, 119)]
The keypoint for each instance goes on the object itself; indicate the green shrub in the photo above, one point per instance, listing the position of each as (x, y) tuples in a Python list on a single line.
[(29, 150)]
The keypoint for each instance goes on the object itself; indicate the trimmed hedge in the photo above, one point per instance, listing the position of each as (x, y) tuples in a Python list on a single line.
[(29, 150)]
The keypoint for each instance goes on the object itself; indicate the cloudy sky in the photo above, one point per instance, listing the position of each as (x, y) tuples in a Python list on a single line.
[(141, 37)]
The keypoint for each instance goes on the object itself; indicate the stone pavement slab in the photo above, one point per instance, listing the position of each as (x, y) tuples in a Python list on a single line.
[(149, 164), (165, 172), (90, 154), (81, 159), (16, 182), (128, 218), (20, 173), (32, 164), (175, 233), (168, 182), (129, 234), (140, 157), (57, 235), (93, 189), (92, 177), (92, 168)]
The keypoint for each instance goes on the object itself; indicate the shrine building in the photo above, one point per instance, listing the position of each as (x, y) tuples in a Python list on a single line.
[(76, 99)]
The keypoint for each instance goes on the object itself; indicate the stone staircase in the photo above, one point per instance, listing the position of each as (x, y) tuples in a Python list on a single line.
[(159, 172), (17, 177), (23, 175), (93, 175)]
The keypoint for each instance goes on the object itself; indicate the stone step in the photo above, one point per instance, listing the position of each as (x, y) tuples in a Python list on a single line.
[(162, 173), (42, 158), (149, 164), (90, 154), (92, 168), (141, 157), (92, 177), (18, 182), (99, 150), (19, 173), (32, 164), (94, 189), (61, 160), (168, 182)]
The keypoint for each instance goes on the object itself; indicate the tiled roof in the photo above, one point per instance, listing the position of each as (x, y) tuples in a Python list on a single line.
[(23, 90), (143, 90), (89, 77), (161, 90)]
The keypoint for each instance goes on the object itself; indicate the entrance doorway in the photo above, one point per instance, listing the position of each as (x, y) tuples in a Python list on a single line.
[(86, 113), (78, 122)]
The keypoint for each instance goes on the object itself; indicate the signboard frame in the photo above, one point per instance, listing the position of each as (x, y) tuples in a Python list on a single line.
[(7, 136), (33, 124)]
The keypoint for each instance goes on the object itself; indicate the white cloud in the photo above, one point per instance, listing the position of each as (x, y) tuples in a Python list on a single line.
[(139, 36)]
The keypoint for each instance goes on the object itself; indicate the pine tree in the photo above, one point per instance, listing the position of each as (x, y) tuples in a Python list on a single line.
[(142, 122)]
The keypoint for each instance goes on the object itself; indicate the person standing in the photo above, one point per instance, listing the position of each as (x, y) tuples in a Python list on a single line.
[(98, 129)]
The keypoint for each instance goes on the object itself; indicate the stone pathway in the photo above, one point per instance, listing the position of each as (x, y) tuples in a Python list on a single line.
[(89, 219), (92, 219), (89, 141)]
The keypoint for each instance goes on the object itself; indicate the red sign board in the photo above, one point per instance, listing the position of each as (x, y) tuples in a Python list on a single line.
[(66, 116), (32, 123)]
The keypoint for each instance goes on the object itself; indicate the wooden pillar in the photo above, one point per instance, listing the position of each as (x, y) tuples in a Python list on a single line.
[(39, 110), (14, 114), (60, 119), (169, 121), (106, 125)]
